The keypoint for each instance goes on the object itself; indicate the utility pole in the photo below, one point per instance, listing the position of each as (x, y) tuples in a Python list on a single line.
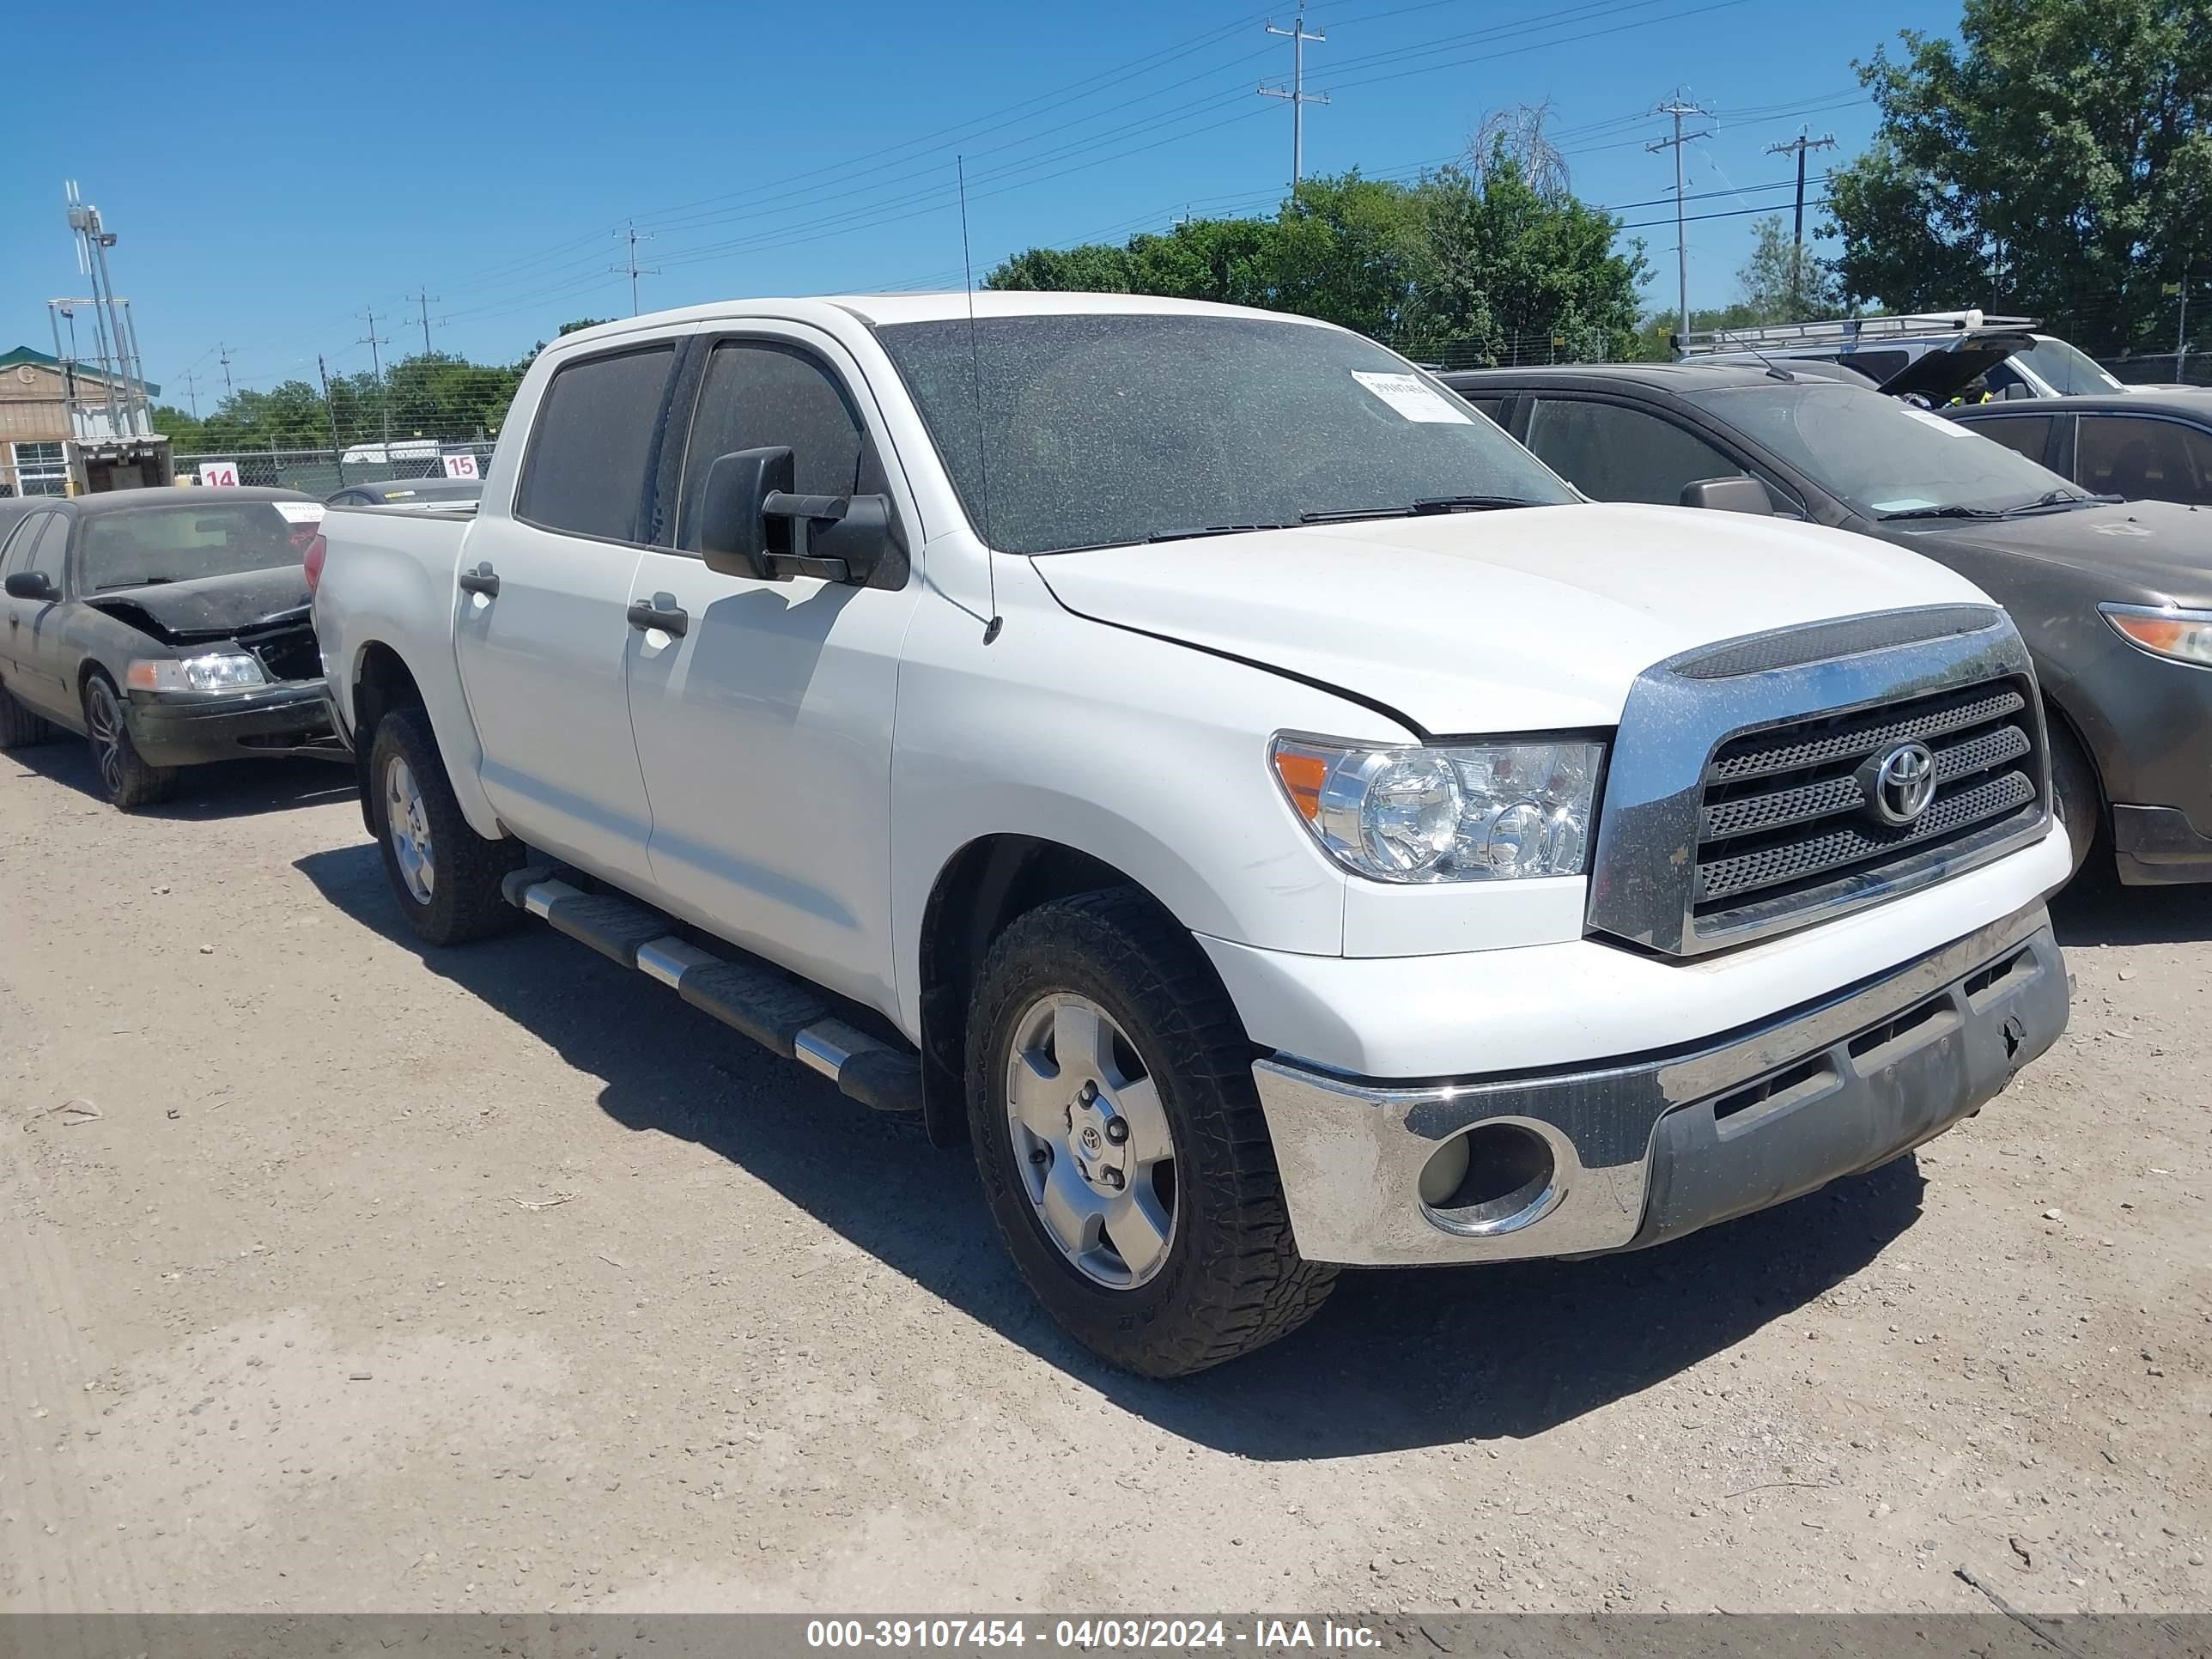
[(331, 413), (633, 268), (424, 301), (1678, 108), (192, 391), (225, 350), (373, 340), (1800, 143), (1296, 94), (2181, 330)]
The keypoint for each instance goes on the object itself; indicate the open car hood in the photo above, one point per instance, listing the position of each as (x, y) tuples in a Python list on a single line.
[(1940, 376), (208, 608)]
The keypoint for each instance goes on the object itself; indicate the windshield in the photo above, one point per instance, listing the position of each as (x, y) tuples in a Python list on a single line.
[(1100, 430), (180, 544), (1878, 455), (2068, 368)]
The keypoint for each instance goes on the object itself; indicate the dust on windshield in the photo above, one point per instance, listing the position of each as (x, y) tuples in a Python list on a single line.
[(177, 543), (1097, 429), (1882, 457)]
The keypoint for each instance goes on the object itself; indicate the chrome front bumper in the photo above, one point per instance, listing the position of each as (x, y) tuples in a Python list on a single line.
[(1651, 1147)]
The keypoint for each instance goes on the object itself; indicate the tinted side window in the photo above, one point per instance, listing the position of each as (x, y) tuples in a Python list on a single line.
[(2024, 435), (596, 431), (756, 395), (48, 551), (15, 551), (1614, 453), (2129, 455)]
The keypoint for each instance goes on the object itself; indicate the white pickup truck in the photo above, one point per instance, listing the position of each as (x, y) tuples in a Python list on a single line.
[(1194, 757)]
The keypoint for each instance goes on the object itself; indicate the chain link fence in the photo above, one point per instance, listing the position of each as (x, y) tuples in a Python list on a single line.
[(323, 470)]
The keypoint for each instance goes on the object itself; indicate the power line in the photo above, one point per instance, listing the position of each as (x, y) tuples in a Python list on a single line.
[(1296, 94)]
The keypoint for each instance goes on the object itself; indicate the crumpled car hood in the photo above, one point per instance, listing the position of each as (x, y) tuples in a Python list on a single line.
[(208, 608)]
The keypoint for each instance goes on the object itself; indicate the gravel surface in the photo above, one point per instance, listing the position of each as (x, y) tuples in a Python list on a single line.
[(335, 1275)]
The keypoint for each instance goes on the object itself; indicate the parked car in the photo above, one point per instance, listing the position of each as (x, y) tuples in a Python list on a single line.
[(2155, 446), (2114, 600), (440, 494), (1935, 356), (1183, 750), (168, 628)]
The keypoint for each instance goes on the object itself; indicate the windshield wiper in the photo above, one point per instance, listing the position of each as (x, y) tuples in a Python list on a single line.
[(1192, 534), (1944, 512), (2063, 497), (1427, 506), (135, 582)]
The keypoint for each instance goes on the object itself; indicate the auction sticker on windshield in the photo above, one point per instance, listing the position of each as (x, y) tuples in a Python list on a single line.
[(1948, 428), (1407, 395)]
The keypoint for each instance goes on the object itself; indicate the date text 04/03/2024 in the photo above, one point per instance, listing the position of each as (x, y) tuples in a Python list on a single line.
[(1321, 1636)]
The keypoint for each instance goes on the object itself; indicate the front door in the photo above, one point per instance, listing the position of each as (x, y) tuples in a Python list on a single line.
[(35, 667), (764, 727), (542, 631)]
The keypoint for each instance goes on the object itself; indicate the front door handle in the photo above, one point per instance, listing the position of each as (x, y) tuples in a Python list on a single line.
[(660, 611), (482, 580)]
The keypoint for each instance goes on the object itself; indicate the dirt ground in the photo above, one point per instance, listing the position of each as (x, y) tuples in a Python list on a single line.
[(337, 1276)]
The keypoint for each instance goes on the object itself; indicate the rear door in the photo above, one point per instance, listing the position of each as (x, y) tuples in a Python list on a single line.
[(542, 633)]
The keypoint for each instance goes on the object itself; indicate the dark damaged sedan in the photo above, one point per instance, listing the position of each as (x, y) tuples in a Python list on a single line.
[(168, 627)]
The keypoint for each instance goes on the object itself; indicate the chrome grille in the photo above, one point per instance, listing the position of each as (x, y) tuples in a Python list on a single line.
[(1785, 818)]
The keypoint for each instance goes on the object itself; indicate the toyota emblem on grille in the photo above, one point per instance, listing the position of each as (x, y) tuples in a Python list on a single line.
[(1899, 782)]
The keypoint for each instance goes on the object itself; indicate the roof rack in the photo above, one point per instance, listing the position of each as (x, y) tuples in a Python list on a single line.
[(1843, 331)]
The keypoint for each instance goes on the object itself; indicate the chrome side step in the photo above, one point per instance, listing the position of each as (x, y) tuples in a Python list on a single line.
[(752, 999)]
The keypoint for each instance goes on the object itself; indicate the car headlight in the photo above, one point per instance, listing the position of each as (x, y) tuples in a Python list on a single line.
[(211, 671), (2182, 635), (1481, 811)]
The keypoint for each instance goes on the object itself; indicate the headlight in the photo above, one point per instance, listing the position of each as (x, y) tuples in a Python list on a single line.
[(1484, 812), (2182, 635), (213, 671)]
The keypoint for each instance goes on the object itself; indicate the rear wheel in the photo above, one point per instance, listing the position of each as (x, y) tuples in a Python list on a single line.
[(1121, 1142), (19, 727), (446, 876), (125, 779)]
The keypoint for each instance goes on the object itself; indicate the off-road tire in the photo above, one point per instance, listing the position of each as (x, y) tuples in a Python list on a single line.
[(2076, 796), (125, 782), (1233, 1280), (19, 727), (465, 903)]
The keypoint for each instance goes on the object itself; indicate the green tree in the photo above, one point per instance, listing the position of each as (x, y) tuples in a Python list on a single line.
[(584, 323), (1093, 268), (1781, 283), (2055, 159)]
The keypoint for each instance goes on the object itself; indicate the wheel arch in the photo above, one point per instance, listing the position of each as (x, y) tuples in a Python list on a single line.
[(380, 682), (978, 891)]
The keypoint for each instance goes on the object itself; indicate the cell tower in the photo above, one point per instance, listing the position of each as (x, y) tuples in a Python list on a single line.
[(115, 410)]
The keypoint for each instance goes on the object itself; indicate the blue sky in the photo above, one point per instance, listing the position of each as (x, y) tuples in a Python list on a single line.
[(275, 171)]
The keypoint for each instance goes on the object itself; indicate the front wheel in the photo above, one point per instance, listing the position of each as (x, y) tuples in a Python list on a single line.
[(2075, 797), (1121, 1142), (126, 780), (446, 876)]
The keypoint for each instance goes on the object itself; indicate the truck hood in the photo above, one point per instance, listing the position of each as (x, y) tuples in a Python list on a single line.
[(208, 607), (1523, 620), (2161, 547)]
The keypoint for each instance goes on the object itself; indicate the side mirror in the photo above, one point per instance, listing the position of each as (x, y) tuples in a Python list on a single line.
[(2017, 389), (749, 519), (30, 584), (1737, 495), (733, 527)]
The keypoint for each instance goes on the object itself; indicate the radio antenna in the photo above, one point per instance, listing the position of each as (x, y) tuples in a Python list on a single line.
[(975, 369)]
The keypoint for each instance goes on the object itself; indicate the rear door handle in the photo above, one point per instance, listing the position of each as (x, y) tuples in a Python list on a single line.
[(482, 580), (668, 618)]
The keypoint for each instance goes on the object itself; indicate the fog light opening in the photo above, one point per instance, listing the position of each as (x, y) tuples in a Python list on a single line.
[(1493, 1179)]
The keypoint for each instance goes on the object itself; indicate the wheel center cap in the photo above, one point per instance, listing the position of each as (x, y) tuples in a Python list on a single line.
[(1098, 1138)]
